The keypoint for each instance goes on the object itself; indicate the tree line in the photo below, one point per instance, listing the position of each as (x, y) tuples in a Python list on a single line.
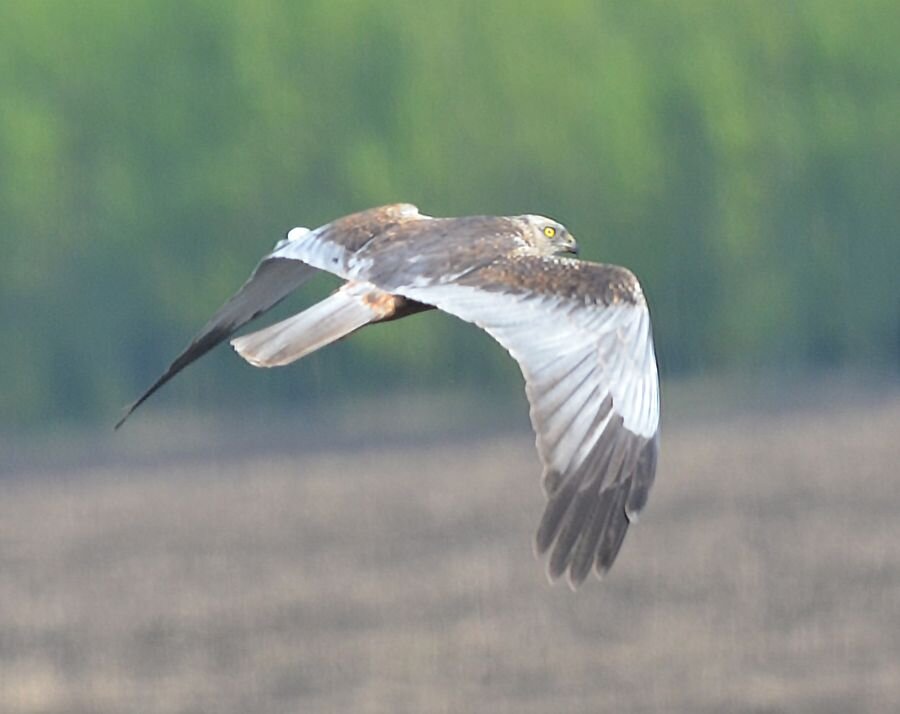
[(743, 159)]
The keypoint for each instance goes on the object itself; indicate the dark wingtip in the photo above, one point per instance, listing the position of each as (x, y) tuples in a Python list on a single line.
[(199, 347), (171, 372), (122, 420), (267, 285), (129, 410)]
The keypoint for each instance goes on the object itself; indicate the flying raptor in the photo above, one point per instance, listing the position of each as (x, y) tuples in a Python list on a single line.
[(580, 332)]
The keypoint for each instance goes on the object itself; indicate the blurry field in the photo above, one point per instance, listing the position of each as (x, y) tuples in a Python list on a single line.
[(764, 577)]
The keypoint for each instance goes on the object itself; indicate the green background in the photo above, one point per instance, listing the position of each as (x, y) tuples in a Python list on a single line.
[(743, 159)]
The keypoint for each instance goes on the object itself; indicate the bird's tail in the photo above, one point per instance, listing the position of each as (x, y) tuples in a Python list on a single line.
[(353, 306)]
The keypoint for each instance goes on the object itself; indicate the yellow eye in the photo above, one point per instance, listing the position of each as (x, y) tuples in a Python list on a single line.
[(549, 231)]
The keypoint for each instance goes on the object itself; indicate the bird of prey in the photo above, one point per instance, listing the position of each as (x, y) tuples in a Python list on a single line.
[(579, 331)]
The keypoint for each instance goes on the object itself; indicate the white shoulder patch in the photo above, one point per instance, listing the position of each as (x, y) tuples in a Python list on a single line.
[(292, 235), (297, 233), (408, 210)]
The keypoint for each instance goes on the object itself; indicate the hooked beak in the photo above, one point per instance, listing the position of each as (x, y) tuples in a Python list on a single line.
[(570, 248)]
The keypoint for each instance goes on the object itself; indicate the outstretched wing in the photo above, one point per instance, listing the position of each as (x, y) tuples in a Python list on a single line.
[(270, 282), (283, 271), (581, 335)]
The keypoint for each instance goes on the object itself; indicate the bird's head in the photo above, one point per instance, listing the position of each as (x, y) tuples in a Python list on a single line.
[(549, 237)]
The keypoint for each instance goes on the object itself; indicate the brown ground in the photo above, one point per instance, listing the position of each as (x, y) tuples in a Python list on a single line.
[(764, 577)]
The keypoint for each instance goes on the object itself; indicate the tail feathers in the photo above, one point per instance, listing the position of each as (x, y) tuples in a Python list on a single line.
[(345, 311)]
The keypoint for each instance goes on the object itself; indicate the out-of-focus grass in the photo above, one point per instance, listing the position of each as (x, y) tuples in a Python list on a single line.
[(764, 577)]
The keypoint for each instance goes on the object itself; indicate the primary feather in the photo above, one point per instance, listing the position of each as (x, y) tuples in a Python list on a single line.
[(580, 332)]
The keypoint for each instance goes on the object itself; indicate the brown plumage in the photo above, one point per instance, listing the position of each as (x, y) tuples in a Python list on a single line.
[(580, 332)]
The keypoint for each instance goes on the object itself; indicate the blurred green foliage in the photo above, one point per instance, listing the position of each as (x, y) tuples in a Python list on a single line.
[(742, 158)]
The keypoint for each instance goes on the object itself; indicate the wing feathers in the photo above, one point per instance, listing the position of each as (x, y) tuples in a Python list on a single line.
[(570, 530), (559, 499), (614, 531), (270, 282), (579, 331), (644, 474), (591, 380), (586, 550)]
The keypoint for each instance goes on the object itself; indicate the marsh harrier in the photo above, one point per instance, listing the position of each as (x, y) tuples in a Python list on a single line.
[(580, 332)]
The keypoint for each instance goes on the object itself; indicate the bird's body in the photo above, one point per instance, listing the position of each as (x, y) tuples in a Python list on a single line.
[(580, 332)]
